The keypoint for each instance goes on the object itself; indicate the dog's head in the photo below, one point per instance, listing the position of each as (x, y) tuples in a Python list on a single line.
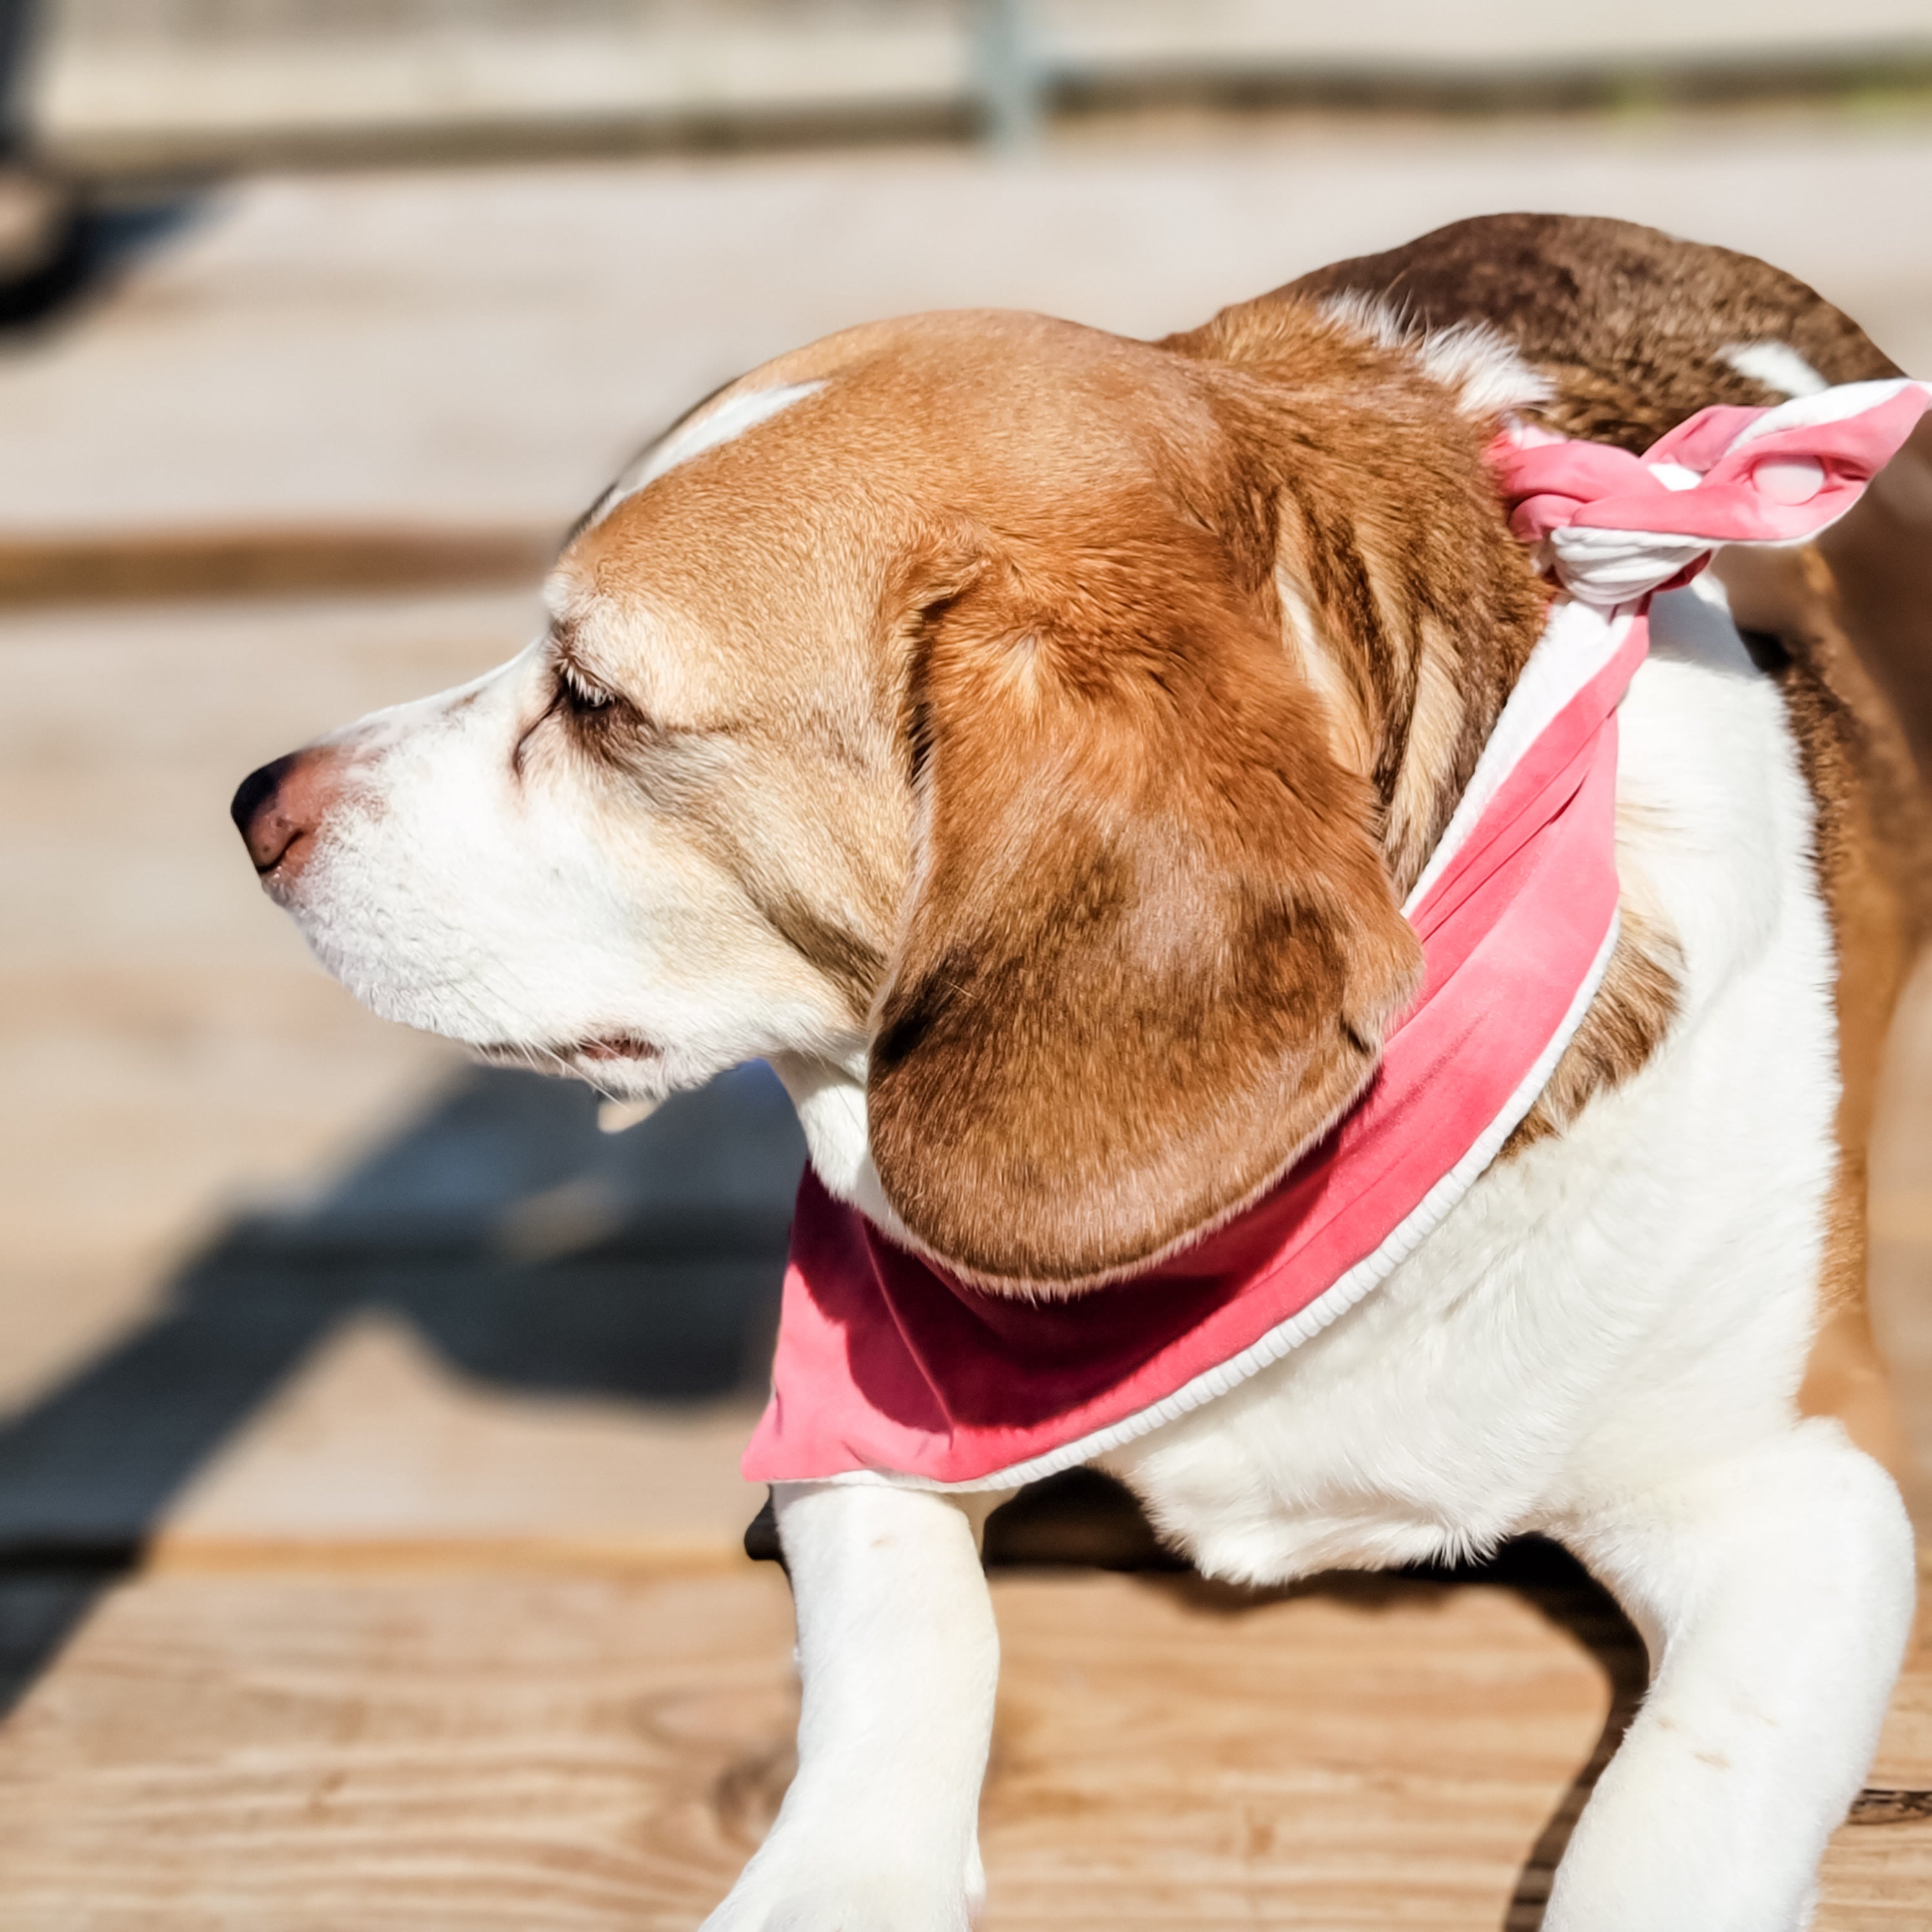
[(1021, 736)]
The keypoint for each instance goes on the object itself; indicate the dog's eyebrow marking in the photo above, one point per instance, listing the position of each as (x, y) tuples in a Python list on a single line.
[(1777, 365), (695, 435)]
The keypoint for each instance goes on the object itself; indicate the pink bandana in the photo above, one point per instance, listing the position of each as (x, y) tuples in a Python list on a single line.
[(887, 1366)]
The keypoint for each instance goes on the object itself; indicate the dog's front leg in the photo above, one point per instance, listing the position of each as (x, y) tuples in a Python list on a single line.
[(898, 1659), (1775, 1594)]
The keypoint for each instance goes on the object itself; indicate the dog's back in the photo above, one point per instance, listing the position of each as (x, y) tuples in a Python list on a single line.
[(1635, 330)]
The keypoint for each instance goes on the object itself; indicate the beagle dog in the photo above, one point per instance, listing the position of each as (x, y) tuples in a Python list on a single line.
[(1028, 740)]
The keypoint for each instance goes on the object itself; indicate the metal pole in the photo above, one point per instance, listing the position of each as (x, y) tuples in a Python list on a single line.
[(1012, 99)]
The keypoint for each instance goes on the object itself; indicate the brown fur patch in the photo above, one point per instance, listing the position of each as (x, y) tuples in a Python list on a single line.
[(1879, 561), (1629, 324), (850, 961), (1634, 1010), (1874, 846), (1389, 532)]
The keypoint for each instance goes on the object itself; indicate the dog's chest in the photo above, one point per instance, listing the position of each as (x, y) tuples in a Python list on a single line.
[(1618, 1302)]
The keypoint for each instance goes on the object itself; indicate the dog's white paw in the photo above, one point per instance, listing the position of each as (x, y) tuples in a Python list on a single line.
[(822, 1895), (855, 1902)]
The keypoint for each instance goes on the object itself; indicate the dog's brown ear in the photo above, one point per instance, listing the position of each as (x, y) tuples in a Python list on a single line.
[(1151, 947)]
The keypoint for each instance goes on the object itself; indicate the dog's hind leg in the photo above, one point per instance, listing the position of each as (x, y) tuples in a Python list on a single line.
[(1775, 1594), (899, 1660)]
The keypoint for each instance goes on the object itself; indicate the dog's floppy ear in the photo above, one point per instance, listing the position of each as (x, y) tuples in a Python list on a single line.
[(1151, 947)]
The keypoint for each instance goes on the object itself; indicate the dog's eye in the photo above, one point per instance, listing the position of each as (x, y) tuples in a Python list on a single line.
[(578, 693)]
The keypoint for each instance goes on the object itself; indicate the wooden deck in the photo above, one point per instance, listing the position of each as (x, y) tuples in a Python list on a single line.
[(368, 1506), (408, 1748)]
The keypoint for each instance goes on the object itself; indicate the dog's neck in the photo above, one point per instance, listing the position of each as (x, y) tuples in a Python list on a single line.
[(829, 1095)]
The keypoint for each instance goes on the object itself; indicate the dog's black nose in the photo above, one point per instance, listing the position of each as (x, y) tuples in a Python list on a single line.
[(279, 807), (254, 791)]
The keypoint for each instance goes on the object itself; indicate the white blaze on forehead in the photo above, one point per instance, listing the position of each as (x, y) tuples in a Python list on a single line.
[(1777, 365), (730, 419)]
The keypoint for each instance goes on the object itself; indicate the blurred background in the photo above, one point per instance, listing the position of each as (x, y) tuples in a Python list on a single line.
[(320, 321)]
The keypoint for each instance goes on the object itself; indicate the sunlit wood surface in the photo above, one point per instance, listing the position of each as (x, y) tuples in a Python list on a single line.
[(308, 1752)]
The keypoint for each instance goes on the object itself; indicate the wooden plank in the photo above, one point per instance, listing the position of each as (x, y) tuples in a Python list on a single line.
[(308, 1753), (1369, 1754), (377, 1451), (245, 561), (303, 1753), (1878, 1874), (239, 90), (450, 350)]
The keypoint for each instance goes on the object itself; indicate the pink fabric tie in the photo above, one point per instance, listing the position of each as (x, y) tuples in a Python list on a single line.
[(889, 1368)]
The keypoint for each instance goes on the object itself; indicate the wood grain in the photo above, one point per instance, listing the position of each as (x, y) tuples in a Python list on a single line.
[(298, 1754), (143, 566), (306, 1753)]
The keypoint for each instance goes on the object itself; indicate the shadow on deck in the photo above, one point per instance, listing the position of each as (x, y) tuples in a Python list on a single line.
[(539, 1256)]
